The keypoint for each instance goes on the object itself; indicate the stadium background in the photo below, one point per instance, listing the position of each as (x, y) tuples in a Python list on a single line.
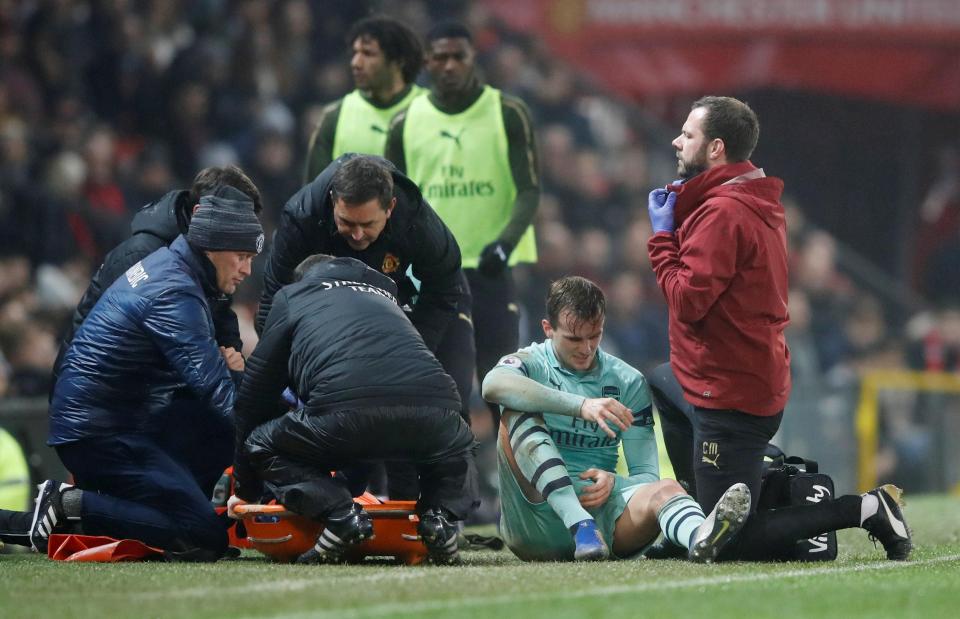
[(105, 106)]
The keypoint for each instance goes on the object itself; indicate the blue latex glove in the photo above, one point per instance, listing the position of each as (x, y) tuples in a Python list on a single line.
[(290, 398), (660, 204)]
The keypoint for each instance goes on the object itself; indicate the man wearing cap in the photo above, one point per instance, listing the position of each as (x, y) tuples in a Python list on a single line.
[(145, 351)]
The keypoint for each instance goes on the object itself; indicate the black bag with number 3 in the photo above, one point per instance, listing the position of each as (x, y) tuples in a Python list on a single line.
[(797, 481)]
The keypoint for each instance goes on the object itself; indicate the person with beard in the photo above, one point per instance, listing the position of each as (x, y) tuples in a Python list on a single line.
[(719, 252), (387, 56)]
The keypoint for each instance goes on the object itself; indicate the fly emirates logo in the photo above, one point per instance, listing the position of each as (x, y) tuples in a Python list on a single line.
[(456, 184)]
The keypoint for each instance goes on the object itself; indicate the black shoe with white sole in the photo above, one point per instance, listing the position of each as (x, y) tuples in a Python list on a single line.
[(439, 535), (888, 526), (338, 535)]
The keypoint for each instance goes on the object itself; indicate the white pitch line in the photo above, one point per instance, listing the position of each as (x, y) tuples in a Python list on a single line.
[(289, 585), (384, 610)]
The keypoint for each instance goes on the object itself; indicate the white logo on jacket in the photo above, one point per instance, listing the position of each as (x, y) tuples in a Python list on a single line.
[(136, 274)]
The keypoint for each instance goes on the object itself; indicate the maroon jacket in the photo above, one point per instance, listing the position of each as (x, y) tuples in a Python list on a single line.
[(724, 275)]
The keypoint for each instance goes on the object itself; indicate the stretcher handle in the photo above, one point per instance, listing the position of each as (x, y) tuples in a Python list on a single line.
[(248, 509)]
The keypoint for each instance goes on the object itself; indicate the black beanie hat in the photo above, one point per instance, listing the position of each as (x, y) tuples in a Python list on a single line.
[(226, 221)]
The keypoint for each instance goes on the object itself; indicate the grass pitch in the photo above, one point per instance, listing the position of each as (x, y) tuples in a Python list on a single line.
[(861, 583)]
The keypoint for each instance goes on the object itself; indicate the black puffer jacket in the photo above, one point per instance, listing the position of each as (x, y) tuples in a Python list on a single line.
[(156, 225), (414, 236), (340, 339)]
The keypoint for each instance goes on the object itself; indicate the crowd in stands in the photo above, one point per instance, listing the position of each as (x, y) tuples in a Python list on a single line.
[(105, 106)]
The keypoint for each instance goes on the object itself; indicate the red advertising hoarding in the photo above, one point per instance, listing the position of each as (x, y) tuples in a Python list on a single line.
[(903, 51)]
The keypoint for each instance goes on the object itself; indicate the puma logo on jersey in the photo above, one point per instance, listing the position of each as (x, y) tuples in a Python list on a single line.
[(456, 138)]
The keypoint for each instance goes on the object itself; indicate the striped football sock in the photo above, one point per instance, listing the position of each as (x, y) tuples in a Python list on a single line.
[(679, 519), (540, 462)]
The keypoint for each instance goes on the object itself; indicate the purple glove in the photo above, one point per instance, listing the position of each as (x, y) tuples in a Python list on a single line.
[(660, 206), (290, 398)]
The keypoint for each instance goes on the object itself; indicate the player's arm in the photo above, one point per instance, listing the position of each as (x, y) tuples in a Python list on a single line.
[(522, 153), (509, 385), (639, 441), (524, 166), (320, 149), (394, 147), (263, 384)]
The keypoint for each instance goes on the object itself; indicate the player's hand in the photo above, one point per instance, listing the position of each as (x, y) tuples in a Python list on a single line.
[(233, 359), (232, 503), (494, 257), (597, 493), (604, 410), (660, 204)]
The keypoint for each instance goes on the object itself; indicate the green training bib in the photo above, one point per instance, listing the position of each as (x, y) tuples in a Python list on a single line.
[(461, 163), (362, 127)]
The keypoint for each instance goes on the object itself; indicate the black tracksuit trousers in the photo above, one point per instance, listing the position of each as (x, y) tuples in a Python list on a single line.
[(711, 450), (295, 455)]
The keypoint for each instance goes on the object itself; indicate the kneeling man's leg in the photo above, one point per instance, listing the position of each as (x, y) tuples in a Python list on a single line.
[(133, 489), (294, 456)]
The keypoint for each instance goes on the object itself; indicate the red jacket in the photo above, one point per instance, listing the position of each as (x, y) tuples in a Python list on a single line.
[(724, 275)]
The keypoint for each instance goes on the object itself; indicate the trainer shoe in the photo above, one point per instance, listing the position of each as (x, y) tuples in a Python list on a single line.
[(887, 525), (47, 514), (665, 549), (439, 535), (721, 525), (589, 543), (338, 535)]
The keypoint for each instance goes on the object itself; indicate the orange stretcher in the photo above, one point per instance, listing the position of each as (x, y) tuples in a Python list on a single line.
[(283, 535)]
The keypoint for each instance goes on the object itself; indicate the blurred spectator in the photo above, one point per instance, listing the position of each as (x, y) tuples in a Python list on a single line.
[(814, 270), (634, 324), (939, 227), (30, 349), (935, 345)]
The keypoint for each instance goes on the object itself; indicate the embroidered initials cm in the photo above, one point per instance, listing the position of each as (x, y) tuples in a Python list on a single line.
[(711, 453)]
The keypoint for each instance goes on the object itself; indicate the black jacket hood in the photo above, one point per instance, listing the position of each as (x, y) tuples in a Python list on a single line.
[(166, 218)]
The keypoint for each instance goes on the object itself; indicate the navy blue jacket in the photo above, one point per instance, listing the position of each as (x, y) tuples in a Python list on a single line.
[(156, 225), (149, 339)]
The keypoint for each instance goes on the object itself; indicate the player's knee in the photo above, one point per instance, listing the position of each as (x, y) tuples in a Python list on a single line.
[(666, 490)]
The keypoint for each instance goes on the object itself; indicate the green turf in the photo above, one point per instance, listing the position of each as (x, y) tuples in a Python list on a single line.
[(861, 583)]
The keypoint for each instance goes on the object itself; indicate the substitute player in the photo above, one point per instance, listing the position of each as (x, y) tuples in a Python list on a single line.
[(386, 58), (471, 150), (567, 407)]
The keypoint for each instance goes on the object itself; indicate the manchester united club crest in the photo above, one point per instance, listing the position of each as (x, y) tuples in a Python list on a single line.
[(390, 263)]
